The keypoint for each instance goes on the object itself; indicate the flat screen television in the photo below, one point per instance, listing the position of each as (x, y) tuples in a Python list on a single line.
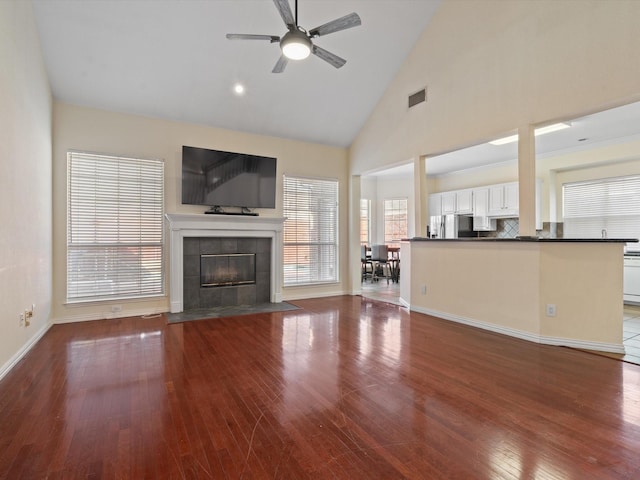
[(227, 179)]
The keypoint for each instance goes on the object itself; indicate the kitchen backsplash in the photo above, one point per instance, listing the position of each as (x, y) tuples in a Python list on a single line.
[(508, 228)]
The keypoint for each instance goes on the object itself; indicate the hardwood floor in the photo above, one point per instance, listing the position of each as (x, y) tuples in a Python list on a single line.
[(345, 387)]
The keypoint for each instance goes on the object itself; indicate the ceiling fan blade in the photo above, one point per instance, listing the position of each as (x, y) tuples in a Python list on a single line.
[(342, 23), (328, 57), (285, 12), (245, 36), (280, 64)]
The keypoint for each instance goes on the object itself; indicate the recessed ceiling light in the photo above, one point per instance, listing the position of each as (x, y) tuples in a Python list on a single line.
[(238, 89)]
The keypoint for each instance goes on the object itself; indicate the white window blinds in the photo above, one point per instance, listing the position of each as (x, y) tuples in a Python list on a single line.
[(114, 227), (609, 206), (310, 231)]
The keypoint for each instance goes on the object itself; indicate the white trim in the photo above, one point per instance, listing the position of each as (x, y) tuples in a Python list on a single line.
[(528, 336), (305, 295), (9, 364), (203, 225), (107, 316)]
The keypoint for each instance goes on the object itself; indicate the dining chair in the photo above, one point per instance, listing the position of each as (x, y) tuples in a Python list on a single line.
[(367, 264), (380, 259)]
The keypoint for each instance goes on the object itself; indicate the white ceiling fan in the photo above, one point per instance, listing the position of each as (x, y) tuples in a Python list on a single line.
[(297, 43)]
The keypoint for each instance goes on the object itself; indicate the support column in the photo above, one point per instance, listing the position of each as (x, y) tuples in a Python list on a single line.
[(527, 181), (354, 235), (421, 212)]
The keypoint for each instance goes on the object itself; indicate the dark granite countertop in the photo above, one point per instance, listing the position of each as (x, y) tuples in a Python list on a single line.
[(526, 239)]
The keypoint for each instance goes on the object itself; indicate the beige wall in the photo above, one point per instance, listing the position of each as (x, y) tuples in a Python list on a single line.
[(25, 182), (492, 66), (86, 129), (505, 287), (477, 177)]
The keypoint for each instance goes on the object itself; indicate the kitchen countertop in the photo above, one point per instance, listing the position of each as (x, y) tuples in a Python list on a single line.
[(527, 239)]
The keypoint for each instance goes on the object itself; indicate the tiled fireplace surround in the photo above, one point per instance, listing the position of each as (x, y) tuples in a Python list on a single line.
[(229, 234)]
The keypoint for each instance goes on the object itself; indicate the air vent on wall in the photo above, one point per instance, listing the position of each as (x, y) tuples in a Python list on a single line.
[(418, 97)]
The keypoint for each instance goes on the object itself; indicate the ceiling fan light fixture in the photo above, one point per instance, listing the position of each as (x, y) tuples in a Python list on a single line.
[(295, 45)]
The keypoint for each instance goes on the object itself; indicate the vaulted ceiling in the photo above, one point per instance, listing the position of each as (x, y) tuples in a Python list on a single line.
[(170, 59)]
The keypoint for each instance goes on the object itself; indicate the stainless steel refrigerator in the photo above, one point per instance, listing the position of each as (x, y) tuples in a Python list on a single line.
[(450, 226)]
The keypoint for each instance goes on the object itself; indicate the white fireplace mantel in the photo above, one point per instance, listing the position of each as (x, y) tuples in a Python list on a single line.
[(189, 225)]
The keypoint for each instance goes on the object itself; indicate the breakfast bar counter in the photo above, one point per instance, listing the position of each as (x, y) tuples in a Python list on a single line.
[(551, 291)]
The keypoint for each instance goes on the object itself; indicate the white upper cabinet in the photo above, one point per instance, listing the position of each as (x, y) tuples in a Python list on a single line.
[(480, 202), (464, 202), (503, 200), (448, 203), (511, 198), (457, 202), (480, 209), (484, 203)]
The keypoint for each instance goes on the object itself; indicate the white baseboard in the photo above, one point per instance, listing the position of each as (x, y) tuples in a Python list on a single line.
[(84, 317), (521, 334), (302, 296), (24, 350)]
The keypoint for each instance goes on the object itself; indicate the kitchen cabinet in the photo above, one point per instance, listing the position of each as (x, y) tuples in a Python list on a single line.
[(631, 282), (464, 202), (487, 203), (503, 200), (435, 204), (481, 222), (448, 203)]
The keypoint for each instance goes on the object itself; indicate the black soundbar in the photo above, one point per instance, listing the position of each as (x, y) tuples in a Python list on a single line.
[(249, 214)]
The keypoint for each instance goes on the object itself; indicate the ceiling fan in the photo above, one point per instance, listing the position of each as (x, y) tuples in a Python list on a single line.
[(297, 43)]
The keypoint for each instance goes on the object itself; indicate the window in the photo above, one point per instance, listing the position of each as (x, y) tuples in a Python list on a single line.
[(310, 231), (395, 221), (114, 227), (609, 206), (365, 224)]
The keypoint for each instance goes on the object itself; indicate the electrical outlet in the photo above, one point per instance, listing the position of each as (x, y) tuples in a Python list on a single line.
[(423, 289), (551, 310), (21, 319), (116, 308)]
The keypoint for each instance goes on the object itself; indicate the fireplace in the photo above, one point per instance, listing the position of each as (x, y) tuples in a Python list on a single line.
[(193, 235), (222, 272), (227, 270)]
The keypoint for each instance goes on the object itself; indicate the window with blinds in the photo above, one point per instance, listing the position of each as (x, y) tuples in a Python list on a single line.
[(114, 227), (609, 206), (395, 221), (310, 231), (365, 223)]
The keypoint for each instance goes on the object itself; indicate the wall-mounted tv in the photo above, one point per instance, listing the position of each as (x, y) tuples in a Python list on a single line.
[(227, 179)]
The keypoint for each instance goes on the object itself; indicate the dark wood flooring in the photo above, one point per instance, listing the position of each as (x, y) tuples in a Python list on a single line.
[(344, 388)]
